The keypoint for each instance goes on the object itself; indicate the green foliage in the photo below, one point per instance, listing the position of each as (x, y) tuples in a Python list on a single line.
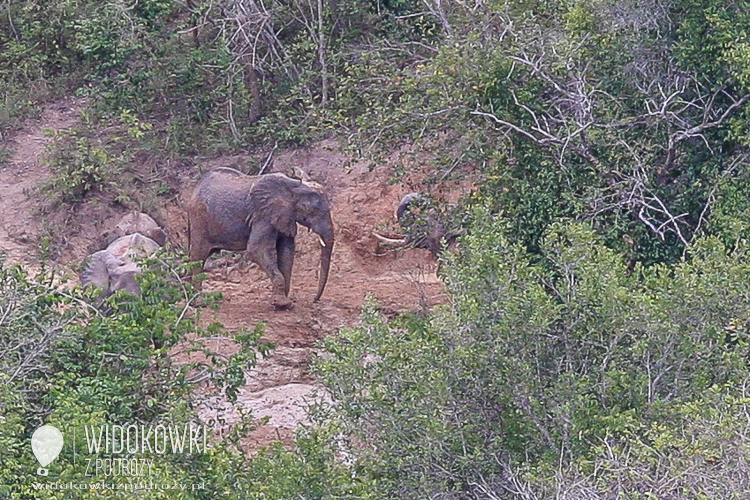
[(714, 41), (71, 365), (312, 471), (699, 453), (731, 212), (537, 363), (82, 160), (68, 364), (31, 323), (17, 102), (393, 385), (79, 165)]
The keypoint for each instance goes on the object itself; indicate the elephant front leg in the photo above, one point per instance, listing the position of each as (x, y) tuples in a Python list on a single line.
[(285, 259), (263, 251)]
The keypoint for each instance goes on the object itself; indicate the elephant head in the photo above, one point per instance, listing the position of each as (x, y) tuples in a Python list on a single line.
[(139, 222), (97, 269), (105, 271), (424, 225), (233, 211)]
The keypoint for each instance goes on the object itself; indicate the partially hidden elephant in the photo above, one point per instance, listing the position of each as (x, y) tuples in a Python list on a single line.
[(138, 222), (424, 226), (113, 268), (230, 210)]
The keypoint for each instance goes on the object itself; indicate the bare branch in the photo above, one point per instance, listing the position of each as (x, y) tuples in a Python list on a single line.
[(697, 130)]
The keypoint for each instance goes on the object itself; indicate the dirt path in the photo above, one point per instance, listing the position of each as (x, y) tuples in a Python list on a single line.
[(281, 386), (21, 226)]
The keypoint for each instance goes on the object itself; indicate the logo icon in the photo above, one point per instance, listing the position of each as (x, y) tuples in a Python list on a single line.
[(46, 443)]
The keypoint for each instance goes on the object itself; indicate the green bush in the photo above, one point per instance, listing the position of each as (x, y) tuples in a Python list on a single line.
[(71, 365), (539, 365), (78, 165)]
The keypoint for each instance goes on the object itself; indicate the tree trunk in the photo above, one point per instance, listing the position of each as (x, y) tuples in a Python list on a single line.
[(253, 83)]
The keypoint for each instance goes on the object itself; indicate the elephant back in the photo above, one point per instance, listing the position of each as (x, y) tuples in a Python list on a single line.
[(132, 245), (139, 222), (223, 192)]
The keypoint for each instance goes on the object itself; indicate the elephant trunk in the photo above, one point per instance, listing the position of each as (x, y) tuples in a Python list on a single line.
[(326, 239)]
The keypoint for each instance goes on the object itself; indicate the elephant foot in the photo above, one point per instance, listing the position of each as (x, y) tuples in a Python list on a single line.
[(281, 302)]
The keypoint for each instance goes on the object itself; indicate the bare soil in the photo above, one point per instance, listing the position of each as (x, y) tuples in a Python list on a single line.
[(281, 386), (21, 227)]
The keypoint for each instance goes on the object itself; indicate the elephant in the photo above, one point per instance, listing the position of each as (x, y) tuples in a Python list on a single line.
[(423, 224), (113, 268), (139, 222), (230, 210)]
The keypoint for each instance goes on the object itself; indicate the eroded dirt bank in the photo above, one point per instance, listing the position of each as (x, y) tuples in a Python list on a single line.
[(278, 387)]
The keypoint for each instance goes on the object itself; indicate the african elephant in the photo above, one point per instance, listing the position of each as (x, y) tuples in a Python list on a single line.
[(138, 222), (232, 211), (424, 225), (113, 268)]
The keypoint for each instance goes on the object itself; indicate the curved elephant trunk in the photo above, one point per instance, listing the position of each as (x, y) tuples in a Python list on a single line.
[(326, 239)]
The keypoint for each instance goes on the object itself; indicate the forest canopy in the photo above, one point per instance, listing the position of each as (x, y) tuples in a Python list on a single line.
[(630, 115)]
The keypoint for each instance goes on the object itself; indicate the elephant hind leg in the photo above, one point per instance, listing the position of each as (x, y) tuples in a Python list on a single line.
[(197, 243), (198, 246)]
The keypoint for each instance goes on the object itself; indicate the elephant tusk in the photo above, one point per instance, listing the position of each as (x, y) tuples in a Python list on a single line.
[(391, 241)]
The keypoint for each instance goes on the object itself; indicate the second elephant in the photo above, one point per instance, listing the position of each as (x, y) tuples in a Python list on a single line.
[(424, 225), (113, 268), (232, 211)]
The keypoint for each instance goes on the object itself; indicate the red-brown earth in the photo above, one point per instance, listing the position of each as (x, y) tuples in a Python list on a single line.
[(280, 386)]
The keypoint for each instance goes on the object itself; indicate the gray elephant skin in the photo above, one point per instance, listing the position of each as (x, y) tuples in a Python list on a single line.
[(427, 228), (139, 222), (113, 268), (232, 211)]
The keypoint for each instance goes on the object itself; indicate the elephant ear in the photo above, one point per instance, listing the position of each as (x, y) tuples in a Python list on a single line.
[(272, 202), (97, 269)]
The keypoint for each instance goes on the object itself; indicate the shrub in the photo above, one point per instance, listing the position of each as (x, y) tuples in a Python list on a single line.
[(541, 365), (67, 364)]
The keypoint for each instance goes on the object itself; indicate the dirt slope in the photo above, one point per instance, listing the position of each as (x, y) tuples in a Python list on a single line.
[(280, 386), (20, 225)]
